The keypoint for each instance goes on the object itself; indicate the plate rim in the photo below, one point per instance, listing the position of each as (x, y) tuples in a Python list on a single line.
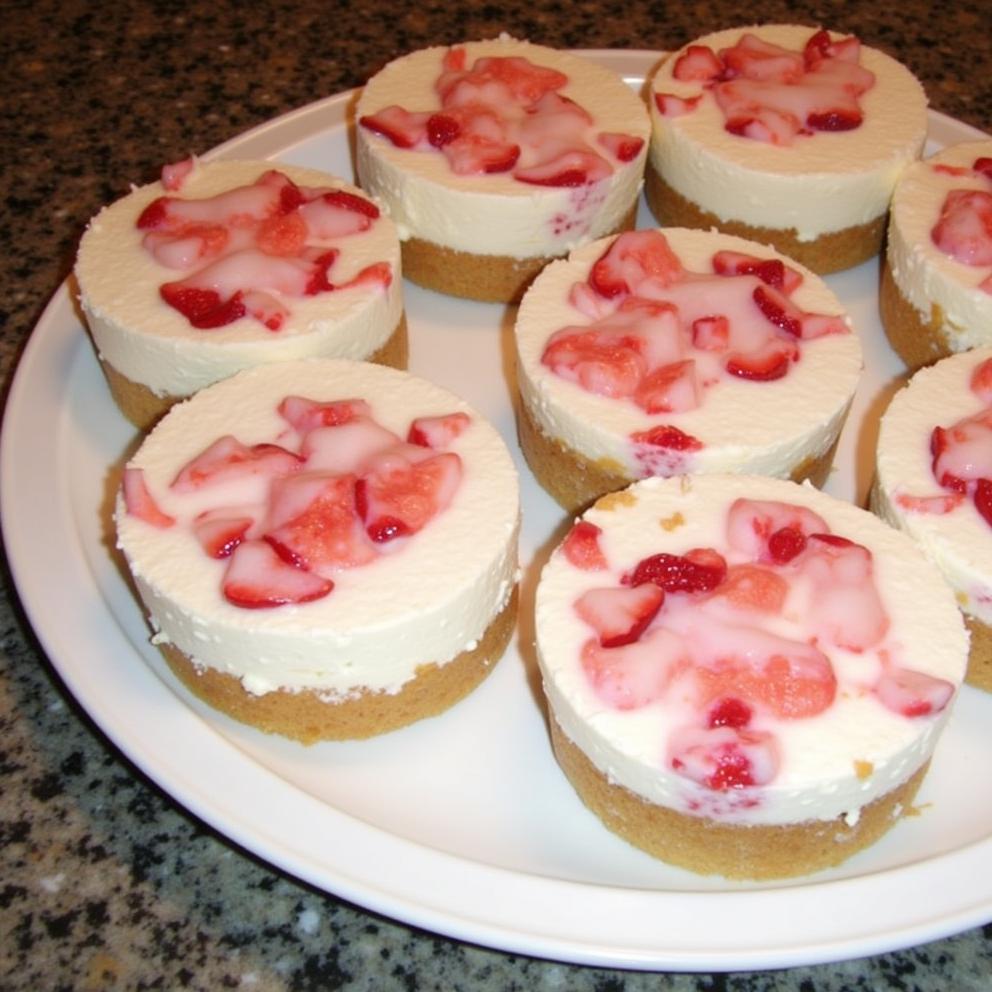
[(554, 901)]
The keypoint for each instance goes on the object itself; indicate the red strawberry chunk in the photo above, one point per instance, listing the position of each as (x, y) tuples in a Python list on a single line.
[(574, 167), (526, 81), (983, 499), (284, 234), (438, 432), (633, 259), (397, 497), (203, 308), (729, 712), (139, 502), (671, 388), (699, 570), (756, 59), (377, 274), (623, 147), (472, 154), (752, 523), (257, 578), (912, 693), (751, 587), (600, 362), (305, 415), (964, 229), (779, 310), (836, 119), (220, 531), (711, 333), (442, 128), (636, 674), (227, 458), (670, 105), (698, 63), (771, 271), (724, 757), (403, 128), (980, 382), (314, 525), (766, 363), (581, 547), (619, 615), (344, 200), (786, 543), (175, 173), (667, 436)]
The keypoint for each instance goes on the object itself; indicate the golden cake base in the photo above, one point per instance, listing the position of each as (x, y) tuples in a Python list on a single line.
[(708, 847), (143, 407), (308, 717), (916, 341), (489, 278), (979, 673), (830, 252), (575, 481)]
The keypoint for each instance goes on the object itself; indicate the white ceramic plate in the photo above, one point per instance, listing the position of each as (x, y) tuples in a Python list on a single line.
[(463, 824)]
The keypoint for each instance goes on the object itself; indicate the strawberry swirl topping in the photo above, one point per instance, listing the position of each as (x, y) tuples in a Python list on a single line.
[(504, 114), (246, 252)]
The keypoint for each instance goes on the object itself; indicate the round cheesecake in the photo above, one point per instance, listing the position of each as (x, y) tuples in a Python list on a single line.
[(675, 351), (934, 481), (494, 156), (224, 265), (744, 675), (786, 135), (936, 292), (325, 549)]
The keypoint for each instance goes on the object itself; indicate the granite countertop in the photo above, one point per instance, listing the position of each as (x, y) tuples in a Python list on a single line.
[(106, 882)]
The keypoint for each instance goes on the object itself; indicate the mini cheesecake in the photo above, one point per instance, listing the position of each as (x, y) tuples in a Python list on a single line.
[(325, 549), (675, 351), (745, 676), (226, 265), (493, 157), (936, 292), (934, 481), (789, 135)]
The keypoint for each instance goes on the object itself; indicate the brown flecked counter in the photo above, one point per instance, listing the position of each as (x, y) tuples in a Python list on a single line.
[(107, 883)]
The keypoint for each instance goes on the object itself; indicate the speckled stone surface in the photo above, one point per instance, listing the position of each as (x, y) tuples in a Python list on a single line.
[(105, 882)]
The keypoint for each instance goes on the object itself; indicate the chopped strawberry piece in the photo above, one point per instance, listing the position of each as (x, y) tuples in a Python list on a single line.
[(913, 694), (983, 166), (402, 128), (344, 200), (724, 757), (632, 259), (581, 547), (203, 308), (779, 310), (574, 167), (257, 578), (600, 362), (139, 502), (619, 615), (698, 63), (284, 234), (980, 382), (765, 364), (377, 274), (176, 173), (437, 432), (838, 119), (983, 499), (756, 59), (700, 570), (667, 436), (767, 124), (397, 497), (314, 524), (786, 543), (964, 229), (526, 81), (304, 415), (472, 154), (671, 388), (771, 271), (729, 712), (711, 333), (751, 523), (751, 587), (670, 105), (442, 129), (154, 216), (818, 325), (636, 674), (944, 503), (227, 458), (820, 47), (623, 147), (221, 531)]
